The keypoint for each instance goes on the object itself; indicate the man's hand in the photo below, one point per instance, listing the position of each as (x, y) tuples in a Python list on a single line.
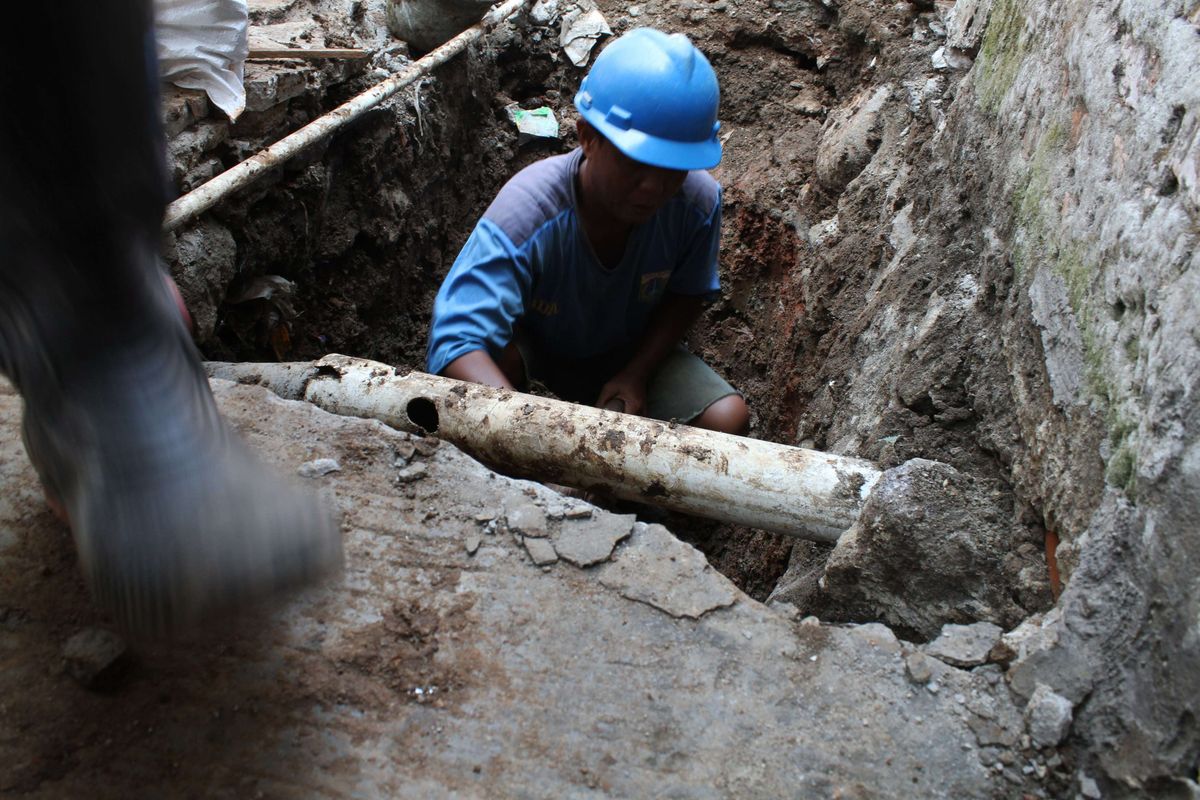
[(674, 315), (628, 387)]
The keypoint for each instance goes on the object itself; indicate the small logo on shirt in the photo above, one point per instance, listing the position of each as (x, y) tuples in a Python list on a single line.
[(546, 308), (653, 285)]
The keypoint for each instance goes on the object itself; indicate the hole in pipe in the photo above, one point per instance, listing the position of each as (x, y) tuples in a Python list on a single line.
[(423, 413)]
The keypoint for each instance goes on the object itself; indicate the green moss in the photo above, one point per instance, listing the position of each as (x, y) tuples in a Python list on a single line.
[(1005, 46), (1133, 348), (1122, 471), (1029, 197), (1039, 247)]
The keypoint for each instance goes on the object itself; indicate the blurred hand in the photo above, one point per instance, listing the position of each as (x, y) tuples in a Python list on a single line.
[(625, 387)]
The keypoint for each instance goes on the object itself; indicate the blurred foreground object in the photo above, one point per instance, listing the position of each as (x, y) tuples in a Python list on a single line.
[(172, 517)]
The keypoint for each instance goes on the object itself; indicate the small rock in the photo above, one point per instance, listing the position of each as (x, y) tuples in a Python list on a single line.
[(578, 512), (426, 446), (947, 58), (584, 543), (965, 645), (823, 232), (413, 472), (1001, 653), (1048, 716), (918, 667), (318, 467), (473, 542), (634, 11), (528, 519), (96, 658), (484, 518), (540, 550), (402, 453)]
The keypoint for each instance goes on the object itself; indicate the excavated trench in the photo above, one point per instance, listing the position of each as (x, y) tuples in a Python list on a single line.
[(960, 242), (343, 249)]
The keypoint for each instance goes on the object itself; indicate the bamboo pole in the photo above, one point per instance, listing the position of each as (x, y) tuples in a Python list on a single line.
[(204, 197), (735, 479)]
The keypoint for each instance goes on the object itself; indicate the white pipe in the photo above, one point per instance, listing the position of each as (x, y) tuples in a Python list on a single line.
[(735, 479), (204, 197)]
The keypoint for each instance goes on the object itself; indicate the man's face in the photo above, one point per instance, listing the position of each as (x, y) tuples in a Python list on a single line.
[(628, 190)]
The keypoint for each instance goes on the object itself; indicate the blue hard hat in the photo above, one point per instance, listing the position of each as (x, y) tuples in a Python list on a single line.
[(654, 96)]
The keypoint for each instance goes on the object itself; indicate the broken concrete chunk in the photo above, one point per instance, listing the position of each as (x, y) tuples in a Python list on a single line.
[(527, 518), (318, 467), (473, 542), (587, 542), (877, 636), (96, 658), (657, 569), (918, 667), (965, 645), (413, 472), (1048, 716), (1045, 650), (540, 550), (578, 512)]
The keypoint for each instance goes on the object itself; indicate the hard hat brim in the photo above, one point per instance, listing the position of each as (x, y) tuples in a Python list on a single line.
[(652, 150)]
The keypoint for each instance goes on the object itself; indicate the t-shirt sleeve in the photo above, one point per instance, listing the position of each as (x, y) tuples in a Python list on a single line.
[(696, 272), (480, 299)]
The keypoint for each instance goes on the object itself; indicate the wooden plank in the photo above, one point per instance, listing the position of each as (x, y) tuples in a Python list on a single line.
[(269, 53)]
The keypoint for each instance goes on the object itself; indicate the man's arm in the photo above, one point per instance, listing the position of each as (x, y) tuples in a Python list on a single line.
[(478, 367), (479, 301), (669, 322)]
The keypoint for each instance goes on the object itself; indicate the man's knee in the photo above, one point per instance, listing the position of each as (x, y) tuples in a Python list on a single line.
[(730, 414)]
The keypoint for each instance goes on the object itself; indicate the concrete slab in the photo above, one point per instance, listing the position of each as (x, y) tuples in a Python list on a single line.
[(427, 671)]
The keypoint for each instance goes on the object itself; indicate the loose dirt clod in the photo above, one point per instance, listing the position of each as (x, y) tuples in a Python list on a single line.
[(96, 658)]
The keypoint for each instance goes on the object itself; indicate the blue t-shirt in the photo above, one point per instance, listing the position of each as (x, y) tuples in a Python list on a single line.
[(528, 259)]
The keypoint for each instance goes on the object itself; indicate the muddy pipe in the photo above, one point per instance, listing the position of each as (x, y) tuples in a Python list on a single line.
[(774, 487)]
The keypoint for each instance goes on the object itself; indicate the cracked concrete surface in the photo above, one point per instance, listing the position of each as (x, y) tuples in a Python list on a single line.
[(427, 671)]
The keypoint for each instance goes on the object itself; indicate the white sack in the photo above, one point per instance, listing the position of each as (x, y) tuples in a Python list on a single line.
[(203, 44)]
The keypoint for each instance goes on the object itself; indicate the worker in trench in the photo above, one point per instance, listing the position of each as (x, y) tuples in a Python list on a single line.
[(171, 516), (588, 268)]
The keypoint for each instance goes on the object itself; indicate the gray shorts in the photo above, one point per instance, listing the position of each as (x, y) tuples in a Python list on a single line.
[(680, 389)]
